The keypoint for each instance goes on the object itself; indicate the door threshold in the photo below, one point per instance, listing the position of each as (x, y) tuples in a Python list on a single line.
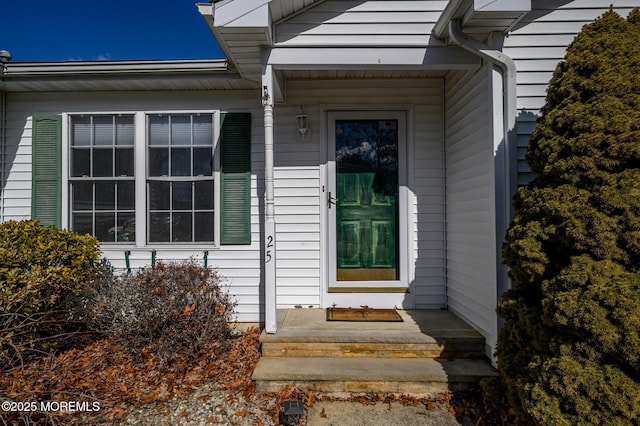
[(368, 290)]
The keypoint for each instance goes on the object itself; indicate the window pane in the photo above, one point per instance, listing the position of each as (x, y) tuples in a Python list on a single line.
[(81, 131), (180, 161), (82, 195), (172, 204), (181, 196), (158, 130), (159, 195), (158, 162), (126, 195), (80, 162), (82, 223), (126, 229), (202, 129), (202, 162), (124, 161), (103, 130), (204, 227), (180, 130), (103, 162), (124, 130), (181, 227), (107, 206), (159, 227), (106, 226), (204, 195), (105, 196)]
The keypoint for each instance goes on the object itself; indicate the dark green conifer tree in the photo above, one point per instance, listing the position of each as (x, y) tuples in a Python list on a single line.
[(569, 352)]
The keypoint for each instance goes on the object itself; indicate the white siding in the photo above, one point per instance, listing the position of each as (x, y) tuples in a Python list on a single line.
[(426, 176), (297, 181), (537, 44), (363, 23), (240, 265), (470, 200)]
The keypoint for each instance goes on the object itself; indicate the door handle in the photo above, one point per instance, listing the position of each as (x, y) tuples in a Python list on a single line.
[(331, 200)]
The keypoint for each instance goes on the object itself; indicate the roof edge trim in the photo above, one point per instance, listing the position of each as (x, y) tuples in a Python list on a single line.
[(115, 67)]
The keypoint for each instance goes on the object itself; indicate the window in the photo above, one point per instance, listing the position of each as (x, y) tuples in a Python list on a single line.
[(180, 178), (179, 193), (102, 182)]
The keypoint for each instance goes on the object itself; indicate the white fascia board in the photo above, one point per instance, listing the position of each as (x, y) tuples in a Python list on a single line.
[(116, 67), (242, 13), (502, 5), (433, 57), (206, 11), (456, 9)]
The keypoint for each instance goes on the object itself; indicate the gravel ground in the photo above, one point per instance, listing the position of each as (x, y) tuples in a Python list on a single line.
[(205, 406), (209, 406)]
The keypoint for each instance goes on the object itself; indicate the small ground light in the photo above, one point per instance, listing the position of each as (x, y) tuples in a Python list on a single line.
[(293, 410)]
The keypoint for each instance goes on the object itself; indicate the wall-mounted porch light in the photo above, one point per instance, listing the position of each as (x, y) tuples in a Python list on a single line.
[(302, 122)]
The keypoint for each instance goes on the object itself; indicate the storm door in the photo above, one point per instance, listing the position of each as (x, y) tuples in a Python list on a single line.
[(364, 199)]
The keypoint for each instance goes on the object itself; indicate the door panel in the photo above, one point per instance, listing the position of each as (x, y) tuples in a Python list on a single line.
[(366, 209)]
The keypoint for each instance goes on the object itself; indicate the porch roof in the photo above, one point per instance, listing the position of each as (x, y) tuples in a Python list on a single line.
[(245, 30)]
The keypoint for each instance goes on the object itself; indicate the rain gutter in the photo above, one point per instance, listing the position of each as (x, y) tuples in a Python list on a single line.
[(441, 28), (30, 69)]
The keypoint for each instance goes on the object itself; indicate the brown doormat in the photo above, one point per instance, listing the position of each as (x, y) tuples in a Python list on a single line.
[(363, 314)]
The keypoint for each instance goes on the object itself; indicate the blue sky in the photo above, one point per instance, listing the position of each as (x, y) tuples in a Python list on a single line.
[(73, 30)]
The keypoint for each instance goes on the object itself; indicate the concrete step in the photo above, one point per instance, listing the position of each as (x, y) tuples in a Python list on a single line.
[(416, 376), (451, 348), (422, 334)]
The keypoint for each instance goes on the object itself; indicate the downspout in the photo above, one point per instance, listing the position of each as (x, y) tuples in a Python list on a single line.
[(3, 132), (269, 222), (3, 140), (508, 68)]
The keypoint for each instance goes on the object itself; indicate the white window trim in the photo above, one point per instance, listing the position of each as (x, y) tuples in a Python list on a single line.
[(65, 215), (140, 174)]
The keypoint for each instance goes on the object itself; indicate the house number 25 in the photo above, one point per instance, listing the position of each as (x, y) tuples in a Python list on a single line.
[(269, 247)]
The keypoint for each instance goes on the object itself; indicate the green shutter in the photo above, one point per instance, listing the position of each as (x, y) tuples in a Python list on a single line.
[(46, 190), (235, 183)]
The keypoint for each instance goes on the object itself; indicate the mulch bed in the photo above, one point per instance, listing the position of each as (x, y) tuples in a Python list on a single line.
[(107, 374)]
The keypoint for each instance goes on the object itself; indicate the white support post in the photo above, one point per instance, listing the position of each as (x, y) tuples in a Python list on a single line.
[(269, 222)]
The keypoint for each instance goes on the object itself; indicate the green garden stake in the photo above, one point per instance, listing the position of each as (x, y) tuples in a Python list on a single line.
[(206, 258), (127, 253), (153, 258)]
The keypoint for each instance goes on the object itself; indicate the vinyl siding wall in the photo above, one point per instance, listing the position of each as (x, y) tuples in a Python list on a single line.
[(362, 23), (298, 181), (240, 265), (470, 200), (537, 44), (297, 207)]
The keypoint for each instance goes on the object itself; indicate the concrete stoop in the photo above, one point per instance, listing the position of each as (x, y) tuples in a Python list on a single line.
[(429, 353)]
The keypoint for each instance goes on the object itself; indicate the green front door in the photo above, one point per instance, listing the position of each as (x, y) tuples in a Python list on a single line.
[(366, 201)]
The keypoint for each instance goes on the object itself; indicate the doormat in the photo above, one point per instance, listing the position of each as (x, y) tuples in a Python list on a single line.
[(363, 314)]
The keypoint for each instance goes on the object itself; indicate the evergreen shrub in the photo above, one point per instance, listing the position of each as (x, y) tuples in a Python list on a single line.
[(42, 273), (569, 351)]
